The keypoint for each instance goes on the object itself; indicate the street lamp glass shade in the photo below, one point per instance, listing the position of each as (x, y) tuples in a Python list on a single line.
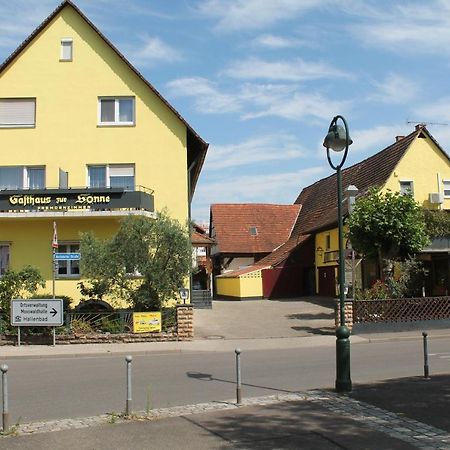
[(336, 138)]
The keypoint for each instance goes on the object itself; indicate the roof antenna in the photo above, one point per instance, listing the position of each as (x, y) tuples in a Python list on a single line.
[(418, 122)]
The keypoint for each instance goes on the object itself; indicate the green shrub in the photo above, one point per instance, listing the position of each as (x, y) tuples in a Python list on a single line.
[(108, 325), (80, 326)]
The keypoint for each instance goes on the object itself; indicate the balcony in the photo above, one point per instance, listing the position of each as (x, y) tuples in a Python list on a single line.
[(76, 202)]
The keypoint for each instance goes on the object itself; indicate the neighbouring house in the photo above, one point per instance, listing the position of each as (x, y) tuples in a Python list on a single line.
[(201, 259), (86, 141), (246, 233), (307, 262)]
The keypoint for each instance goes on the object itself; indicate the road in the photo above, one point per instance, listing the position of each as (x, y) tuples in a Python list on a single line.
[(52, 388)]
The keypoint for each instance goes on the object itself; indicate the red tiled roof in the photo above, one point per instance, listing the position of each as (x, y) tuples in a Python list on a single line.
[(232, 223), (319, 201), (243, 271), (200, 239), (282, 253), (196, 146)]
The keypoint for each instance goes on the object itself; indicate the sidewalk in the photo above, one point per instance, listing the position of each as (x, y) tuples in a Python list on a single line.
[(310, 420), (202, 345)]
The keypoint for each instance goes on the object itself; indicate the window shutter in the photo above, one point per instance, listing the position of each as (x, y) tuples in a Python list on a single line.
[(121, 171), (17, 112)]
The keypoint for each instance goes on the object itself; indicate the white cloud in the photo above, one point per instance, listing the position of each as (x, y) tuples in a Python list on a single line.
[(407, 27), (276, 42), (207, 98), (154, 50), (294, 70), (266, 187), (234, 15), (272, 147), (377, 138), (394, 89), (438, 111), (257, 100), (301, 105)]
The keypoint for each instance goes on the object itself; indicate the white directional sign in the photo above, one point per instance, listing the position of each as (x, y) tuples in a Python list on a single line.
[(37, 312)]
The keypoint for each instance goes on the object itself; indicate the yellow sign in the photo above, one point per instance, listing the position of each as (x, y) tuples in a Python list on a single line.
[(146, 322)]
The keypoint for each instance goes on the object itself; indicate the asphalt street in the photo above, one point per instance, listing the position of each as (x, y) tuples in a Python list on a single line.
[(53, 388)]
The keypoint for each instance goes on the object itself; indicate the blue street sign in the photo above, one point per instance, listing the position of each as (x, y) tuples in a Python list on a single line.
[(67, 256)]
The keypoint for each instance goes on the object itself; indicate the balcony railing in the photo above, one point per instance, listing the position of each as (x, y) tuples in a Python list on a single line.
[(76, 198)]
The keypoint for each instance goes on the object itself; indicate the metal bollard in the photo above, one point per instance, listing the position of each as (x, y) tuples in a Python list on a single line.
[(426, 369), (128, 359), (238, 377), (5, 412)]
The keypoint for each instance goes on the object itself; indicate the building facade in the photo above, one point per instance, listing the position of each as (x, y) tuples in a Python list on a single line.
[(86, 140)]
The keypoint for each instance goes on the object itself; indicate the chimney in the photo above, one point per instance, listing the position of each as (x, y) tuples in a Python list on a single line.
[(398, 138)]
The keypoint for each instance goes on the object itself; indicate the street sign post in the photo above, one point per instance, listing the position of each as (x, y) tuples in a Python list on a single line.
[(37, 313)]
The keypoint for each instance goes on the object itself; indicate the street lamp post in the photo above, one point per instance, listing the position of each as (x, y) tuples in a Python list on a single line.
[(338, 139)]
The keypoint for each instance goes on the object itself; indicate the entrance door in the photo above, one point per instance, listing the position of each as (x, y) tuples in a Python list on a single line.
[(327, 282)]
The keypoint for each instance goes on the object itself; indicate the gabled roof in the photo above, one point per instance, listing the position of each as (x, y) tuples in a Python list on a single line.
[(319, 200), (284, 251), (201, 239), (232, 224), (197, 147)]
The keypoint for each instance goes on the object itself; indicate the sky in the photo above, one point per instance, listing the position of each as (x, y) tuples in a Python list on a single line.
[(260, 80)]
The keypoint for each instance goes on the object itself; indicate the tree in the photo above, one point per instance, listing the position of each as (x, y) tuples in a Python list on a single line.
[(145, 262), (437, 222), (19, 284), (387, 226)]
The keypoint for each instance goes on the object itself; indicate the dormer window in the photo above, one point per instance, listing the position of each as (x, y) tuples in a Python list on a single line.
[(253, 231), (66, 49)]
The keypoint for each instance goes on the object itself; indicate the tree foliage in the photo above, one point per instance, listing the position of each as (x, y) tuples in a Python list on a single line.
[(437, 223), (145, 262), (387, 226), (20, 284)]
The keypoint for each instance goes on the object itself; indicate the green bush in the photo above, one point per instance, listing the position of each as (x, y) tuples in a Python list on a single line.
[(108, 325), (80, 326)]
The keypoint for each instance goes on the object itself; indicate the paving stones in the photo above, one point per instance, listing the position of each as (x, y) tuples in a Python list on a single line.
[(415, 433)]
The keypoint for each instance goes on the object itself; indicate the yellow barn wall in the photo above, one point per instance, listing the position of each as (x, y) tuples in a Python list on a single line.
[(67, 135), (229, 287), (251, 285), (425, 165)]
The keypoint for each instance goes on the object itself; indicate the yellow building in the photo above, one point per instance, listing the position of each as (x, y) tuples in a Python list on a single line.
[(307, 263), (86, 140)]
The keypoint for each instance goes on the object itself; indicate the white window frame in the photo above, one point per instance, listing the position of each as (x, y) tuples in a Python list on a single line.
[(69, 263), (64, 42), (25, 179), (116, 122), (446, 187), (107, 172), (17, 124), (411, 183)]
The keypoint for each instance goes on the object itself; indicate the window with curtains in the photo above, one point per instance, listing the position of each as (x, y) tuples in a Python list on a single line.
[(22, 177), (111, 175), (446, 188), (68, 268), (116, 111), (17, 112), (4, 258)]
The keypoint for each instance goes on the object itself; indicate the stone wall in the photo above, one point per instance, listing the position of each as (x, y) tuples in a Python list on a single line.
[(184, 331), (348, 308)]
